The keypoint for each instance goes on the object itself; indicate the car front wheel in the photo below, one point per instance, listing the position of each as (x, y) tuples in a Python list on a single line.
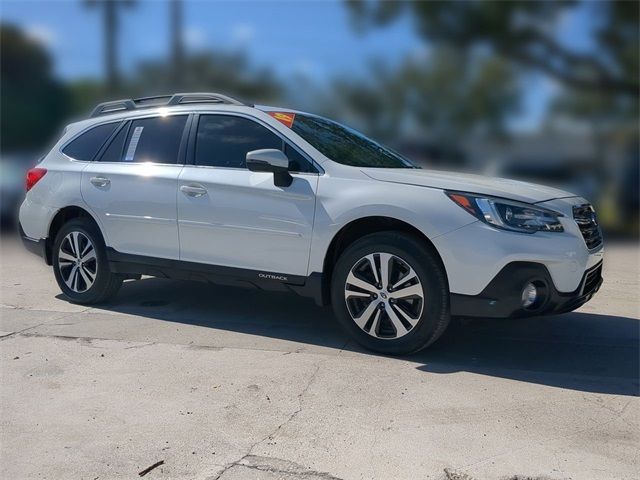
[(390, 291)]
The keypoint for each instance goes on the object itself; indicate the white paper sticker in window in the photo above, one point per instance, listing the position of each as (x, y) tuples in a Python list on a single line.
[(133, 144)]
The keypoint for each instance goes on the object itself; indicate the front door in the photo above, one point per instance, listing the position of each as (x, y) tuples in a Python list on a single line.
[(232, 217)]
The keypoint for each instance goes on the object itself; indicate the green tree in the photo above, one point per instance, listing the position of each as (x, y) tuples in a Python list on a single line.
[(518, 30), (111, 23), (206, 71), (209, 71), (33, 102), (440, 98)]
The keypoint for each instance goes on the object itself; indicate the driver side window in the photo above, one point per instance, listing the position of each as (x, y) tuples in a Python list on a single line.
[(224, 140)]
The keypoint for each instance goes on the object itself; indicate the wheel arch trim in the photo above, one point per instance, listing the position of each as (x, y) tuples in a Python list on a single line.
[(62, 216), (357, 228)]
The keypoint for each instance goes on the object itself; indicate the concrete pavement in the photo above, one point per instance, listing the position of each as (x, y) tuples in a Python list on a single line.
[(224, 383)]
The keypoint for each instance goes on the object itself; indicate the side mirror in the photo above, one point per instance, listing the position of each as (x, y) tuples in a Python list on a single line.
[(271, 160)]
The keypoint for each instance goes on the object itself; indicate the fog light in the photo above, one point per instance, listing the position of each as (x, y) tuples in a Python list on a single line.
[(529, 295)]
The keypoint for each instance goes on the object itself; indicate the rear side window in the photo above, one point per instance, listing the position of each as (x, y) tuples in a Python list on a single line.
[(86, 146), (223, 141), (155, 140)]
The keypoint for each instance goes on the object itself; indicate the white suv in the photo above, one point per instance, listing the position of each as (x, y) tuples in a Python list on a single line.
[(202, 186)]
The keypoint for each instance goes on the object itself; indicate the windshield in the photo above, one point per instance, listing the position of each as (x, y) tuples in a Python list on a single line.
[(344, 145)]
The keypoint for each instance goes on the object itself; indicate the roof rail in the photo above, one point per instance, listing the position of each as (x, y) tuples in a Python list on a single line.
[(106, 108)]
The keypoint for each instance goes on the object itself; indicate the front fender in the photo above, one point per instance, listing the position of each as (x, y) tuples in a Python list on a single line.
[(341, 201)]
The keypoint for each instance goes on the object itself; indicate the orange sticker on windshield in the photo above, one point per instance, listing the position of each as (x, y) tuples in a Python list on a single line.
[(284, 118)]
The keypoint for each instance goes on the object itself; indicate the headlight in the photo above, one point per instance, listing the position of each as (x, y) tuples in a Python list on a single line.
[(507, 214)]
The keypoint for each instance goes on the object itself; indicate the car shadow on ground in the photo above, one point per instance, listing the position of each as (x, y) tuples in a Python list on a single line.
[(579, 351)]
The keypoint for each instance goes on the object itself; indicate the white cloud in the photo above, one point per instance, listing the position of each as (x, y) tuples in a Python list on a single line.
[(306, 68), (42, 34), (242, 33), (195, 37)]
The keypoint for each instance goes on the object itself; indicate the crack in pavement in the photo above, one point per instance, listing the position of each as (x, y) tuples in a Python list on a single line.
[(283, 467), (453, 475), (248, 456), (270, 436), (248, 460), (192, 346), (18, 332), (297, 411), (62, 316)]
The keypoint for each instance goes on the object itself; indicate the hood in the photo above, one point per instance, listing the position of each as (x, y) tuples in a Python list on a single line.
[(496, 187)]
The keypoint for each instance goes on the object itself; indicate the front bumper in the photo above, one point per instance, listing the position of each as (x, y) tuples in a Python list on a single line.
[(502, 298)]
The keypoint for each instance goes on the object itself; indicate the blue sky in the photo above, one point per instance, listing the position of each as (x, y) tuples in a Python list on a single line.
[(313, 37), (309, 38)]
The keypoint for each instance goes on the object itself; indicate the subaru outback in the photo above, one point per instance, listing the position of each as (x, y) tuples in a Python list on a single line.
[(202, 186)]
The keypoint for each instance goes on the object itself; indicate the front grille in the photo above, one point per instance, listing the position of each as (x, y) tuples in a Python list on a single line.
[(585, 217), (592, 279)]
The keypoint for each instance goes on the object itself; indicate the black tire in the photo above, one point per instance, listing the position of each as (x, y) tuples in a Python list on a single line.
[(433, 316), (106, 283)]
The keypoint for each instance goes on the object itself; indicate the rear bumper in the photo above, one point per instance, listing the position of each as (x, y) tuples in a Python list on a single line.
[(502, 297), (37, 247)]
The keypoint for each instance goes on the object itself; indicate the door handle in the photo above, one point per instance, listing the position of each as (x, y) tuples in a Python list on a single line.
[(100, 181), (193, 190)]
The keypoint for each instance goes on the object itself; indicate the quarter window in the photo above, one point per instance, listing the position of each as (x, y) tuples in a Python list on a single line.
[(297, 162), (86, 146)]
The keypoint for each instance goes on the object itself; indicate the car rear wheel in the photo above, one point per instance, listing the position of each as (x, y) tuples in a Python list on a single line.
[(390, 292), (80, 263)]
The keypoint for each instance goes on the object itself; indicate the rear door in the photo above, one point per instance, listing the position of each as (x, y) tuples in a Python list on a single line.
[(232, 217), (132, 185)]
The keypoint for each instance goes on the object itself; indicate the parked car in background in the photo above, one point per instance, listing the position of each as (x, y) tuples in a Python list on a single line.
[(573, 175)]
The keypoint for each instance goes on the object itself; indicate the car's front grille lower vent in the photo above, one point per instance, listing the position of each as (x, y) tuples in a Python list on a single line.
[(585, 217), (592, 279)]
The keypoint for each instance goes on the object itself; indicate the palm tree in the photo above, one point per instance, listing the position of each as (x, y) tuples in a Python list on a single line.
[(177, 50), (110, 18)]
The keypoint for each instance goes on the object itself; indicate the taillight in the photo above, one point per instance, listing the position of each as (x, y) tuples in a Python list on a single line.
[(33, 176)]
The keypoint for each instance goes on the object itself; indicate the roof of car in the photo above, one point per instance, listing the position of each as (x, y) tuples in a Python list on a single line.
[(176, 99), (177, 102)]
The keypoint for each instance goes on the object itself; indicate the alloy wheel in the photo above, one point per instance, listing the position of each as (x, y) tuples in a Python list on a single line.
[(384, 295), (77, 262)]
